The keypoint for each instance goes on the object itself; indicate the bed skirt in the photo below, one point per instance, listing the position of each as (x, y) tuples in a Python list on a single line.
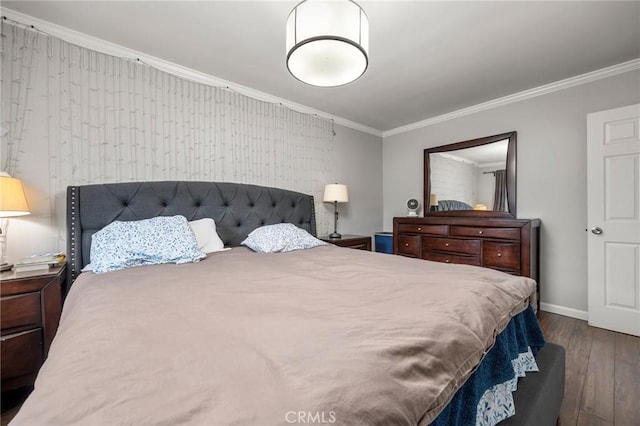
[(487, 397)]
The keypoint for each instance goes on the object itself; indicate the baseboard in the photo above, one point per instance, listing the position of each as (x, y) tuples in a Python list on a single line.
[(562, 310)]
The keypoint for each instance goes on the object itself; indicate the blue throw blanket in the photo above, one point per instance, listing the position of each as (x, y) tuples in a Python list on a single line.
[(497, 367)]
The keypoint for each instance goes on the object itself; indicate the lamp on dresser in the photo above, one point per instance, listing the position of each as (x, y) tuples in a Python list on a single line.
[(433, 202), (13, 203), (335, 193)]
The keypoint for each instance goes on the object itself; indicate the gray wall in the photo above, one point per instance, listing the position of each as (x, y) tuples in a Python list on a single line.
[(551, 166), (358, 164)]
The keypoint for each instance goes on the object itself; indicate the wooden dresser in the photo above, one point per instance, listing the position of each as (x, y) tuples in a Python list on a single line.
[(505, 244)]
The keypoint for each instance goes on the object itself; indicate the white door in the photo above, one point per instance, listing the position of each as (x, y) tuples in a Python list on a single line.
[(613, 168)]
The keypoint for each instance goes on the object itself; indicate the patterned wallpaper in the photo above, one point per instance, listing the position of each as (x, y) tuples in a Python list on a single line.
[(110, 119)]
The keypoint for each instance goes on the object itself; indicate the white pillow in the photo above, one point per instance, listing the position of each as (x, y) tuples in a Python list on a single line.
[(205, 231), (163, 239), (281, 237)]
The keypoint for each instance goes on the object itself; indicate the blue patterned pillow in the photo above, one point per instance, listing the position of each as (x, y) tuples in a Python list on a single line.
[(163, 239), (281, 237)]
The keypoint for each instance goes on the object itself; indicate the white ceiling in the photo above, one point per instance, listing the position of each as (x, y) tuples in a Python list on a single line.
[(426, 58)]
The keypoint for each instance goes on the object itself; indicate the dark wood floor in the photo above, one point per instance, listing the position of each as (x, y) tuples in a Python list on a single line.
[(602, 384)]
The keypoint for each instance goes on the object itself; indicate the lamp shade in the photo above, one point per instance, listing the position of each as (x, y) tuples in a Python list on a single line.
[(335, 192), (12, 199), (327, 42)]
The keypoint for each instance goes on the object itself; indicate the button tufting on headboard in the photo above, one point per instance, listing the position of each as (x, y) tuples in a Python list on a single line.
[(236, 208)]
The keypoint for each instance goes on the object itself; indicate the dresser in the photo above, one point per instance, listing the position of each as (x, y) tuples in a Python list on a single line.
[(506, 244), (30, 310)]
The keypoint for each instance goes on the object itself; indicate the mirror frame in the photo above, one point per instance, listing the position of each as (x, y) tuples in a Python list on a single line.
[(511, 176)]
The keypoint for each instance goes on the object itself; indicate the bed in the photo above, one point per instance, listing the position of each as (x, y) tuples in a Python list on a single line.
[(324, 335), (444, 205)]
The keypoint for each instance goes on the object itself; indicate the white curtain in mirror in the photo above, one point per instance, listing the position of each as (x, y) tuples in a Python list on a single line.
[(453, 182)]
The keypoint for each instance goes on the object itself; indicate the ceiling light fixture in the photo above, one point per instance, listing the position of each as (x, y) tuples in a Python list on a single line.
[(327, 42)]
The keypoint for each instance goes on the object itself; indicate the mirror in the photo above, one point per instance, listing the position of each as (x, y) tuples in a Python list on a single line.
[(471, 178)]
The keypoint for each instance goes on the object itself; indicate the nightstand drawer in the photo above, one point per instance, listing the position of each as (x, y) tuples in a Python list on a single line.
[(451, 258), (30, 310), (21, 353), (361, 246), (409, 245), (20, 310), (453, 245), (503, 256), (358, 242)]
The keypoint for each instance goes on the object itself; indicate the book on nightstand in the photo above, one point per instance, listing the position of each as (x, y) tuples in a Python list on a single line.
[(39, 262)]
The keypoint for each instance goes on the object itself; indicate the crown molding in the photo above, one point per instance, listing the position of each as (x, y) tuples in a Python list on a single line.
[(103, 46), (100, 45), (589, 77)]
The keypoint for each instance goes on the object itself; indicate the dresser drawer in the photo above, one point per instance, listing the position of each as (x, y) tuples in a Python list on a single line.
[(453, 245), (500, 233), (451, 258), (16, 311), (423, 229), (504, 256), (409, 245), (21, 353)]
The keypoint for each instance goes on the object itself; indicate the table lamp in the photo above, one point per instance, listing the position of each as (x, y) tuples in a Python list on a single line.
[(12, 203), (335, 193), (433, 202)]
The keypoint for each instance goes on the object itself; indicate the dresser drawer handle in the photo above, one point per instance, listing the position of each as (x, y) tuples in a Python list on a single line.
[(406, 244), (446, 244), (446, 261), (480, 232), (419, 229), (499, 254)]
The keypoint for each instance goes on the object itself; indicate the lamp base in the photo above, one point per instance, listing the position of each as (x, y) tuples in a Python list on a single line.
[(335, 236)]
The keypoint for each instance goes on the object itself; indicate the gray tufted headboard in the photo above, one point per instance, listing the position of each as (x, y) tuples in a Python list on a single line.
[(236, 208)]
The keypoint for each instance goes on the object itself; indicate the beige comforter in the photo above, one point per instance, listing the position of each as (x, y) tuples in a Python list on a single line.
[(320, 336)]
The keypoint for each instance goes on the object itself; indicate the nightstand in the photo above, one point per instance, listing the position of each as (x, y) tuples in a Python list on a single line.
[(360, 242), (30, 307)]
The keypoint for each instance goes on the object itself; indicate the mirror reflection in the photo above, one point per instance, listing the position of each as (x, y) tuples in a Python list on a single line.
[(476, 177), (470, 179)]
